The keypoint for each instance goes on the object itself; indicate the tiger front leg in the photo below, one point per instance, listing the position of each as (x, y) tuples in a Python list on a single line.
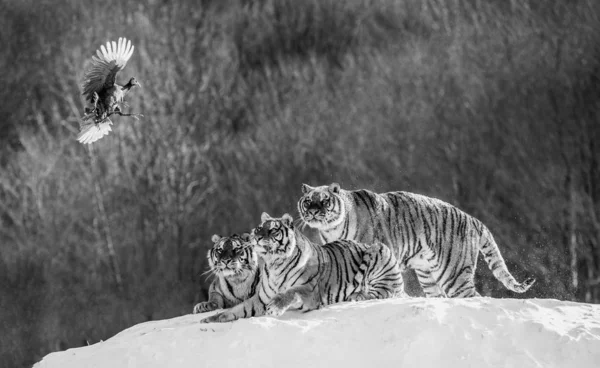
[(215, 302), (225, 316), (252, 307), (295, 297), (280, 303), (205, 307)]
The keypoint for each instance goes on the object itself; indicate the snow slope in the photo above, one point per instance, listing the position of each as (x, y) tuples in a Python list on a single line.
[(416, 332)]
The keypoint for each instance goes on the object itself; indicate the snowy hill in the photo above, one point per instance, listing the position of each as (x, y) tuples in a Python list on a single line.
[(479, 332)]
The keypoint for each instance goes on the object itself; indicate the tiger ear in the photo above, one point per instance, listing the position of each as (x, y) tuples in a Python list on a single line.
[(245, 237), (264, 217), (215, 238), (334, 188), (306, 188), (287, 220)]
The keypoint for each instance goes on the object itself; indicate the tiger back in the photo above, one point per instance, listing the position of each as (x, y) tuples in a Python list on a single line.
[(298, 274), (439, 241), (235, 265)]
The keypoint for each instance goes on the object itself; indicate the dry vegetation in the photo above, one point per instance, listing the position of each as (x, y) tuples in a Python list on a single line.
[(490, 105)]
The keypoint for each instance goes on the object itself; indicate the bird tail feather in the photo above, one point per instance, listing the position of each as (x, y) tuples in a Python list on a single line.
[(91, 132)]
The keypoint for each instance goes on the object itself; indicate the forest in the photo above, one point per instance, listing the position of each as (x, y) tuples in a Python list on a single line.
[(492, 106)]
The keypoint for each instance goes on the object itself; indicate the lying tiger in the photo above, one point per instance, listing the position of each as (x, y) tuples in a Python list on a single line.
[(235, 265), (299, 274), (439, 241)]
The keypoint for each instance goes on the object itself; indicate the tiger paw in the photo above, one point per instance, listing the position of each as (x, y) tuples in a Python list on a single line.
[(358, 297), (205, 307), (400, 294), (277, 306), (219, 318)]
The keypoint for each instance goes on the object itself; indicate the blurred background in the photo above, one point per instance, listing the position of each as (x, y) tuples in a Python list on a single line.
[(491, 105)]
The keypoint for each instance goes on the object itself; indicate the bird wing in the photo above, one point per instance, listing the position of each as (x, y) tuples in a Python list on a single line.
[(91, 132), (103, 71)]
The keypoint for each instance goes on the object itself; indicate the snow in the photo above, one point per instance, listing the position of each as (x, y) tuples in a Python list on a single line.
[(412, 332)]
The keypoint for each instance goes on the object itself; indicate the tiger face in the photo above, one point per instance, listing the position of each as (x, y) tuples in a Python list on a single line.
[(321, 207), (232, 256), (274, 237)]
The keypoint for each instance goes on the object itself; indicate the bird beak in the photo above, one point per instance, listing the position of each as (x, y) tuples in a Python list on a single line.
[(139, 85)]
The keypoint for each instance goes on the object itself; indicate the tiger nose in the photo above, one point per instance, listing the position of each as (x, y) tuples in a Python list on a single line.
[(227, 254), (262, 232), (313, 211)]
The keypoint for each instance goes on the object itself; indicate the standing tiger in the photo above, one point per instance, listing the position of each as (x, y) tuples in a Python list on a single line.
[(439, 241), (299, 274), (235, 265)]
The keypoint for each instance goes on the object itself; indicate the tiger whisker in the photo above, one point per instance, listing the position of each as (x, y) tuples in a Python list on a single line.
[(300, 223), (207, 273)]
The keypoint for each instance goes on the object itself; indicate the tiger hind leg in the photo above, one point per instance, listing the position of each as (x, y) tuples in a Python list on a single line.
[(379, 275), (462, 285), (361, 282), (429, 284), (359, 296)]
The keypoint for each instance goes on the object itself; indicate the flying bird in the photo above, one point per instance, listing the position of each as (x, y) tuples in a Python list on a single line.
[(101, 90)]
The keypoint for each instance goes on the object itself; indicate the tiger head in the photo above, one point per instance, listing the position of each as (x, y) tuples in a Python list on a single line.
[(274, 237), (232, 256), (322, 207)]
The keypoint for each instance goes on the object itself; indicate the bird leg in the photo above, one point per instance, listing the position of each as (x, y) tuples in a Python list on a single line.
[(123, 114), (117, 110)]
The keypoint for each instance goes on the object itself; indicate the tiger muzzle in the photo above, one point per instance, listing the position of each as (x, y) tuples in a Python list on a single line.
[(314, 214)]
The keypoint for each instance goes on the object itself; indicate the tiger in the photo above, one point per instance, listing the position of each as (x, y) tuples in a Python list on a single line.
[(236, 266), (296, 273), (436, 239)]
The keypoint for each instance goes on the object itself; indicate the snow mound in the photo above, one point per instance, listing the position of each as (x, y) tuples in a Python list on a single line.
[(415, 332)]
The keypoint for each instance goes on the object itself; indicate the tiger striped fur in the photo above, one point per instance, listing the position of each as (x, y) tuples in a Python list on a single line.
[(299, 274), (235, 264), (439, 241)]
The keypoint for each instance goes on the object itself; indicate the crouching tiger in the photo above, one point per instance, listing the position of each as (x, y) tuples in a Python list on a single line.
[(234, 263), (299, 274)]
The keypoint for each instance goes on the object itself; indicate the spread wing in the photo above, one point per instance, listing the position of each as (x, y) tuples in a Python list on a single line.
[(103, 71), (91, 132)]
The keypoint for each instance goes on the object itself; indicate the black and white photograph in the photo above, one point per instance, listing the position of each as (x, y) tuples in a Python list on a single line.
[(300, 183)]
